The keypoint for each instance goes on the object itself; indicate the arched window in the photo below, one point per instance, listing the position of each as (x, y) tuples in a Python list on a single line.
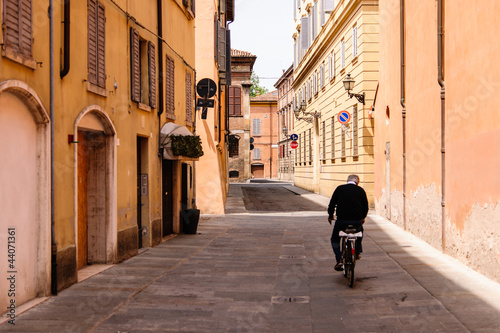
[(234, 174)]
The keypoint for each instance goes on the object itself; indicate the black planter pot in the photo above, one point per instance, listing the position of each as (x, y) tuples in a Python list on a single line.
[(190, 218)]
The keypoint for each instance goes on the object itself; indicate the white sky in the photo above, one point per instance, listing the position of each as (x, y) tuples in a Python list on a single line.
[(264, 28)]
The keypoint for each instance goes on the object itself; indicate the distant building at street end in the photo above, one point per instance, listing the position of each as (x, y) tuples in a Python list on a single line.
[(264, 155), (239, 115)]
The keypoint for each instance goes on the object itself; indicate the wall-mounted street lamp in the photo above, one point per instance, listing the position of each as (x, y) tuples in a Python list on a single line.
[(302, 114), (285, 131), (349, 85)]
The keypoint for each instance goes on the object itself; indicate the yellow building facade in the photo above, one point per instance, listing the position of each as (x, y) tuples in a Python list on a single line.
[(334, 40), (122, 70), (437, 142)]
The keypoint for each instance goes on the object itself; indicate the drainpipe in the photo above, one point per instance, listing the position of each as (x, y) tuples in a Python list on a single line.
[(66, 22), (440, 39), (53, 258), (403, 99), (159, 15)]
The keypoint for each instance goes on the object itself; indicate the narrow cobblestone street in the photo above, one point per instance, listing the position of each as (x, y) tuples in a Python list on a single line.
[(267, 266)]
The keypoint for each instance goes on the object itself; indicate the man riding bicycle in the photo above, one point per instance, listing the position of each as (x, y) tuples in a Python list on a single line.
[(351, 206)]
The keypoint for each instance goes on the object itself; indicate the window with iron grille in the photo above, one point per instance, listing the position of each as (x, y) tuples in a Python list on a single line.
[(170, 86), (234, 106), (96, 44), (234, 146), (189, 97), (18, 31)]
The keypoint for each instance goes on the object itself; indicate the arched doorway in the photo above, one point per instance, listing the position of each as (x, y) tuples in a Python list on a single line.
[(95, 188), (24, 193)]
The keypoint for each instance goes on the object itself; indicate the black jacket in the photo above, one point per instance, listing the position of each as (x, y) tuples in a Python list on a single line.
[(351, 203)]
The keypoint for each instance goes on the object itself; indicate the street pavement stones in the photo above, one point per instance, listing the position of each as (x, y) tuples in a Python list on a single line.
[(265, 269)]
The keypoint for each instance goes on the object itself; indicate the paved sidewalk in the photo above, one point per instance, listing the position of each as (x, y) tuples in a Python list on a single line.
[(269, 272)]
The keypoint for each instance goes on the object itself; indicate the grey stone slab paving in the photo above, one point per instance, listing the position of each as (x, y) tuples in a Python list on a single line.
[(272, 273)]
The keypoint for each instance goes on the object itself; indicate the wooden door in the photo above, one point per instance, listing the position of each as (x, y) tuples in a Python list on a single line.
[(82, 200), (168, 223)]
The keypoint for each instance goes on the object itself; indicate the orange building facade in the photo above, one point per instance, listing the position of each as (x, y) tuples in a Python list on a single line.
[(437, 126)]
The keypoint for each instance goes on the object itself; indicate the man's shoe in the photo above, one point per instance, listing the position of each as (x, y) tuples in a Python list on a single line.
[(339, 267), (358, 256)]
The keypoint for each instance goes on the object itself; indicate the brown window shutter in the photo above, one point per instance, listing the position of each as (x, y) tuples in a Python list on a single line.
[(231, 101), (237, 101), (101, 47), (189, 97), (92, 41), (152, 74), (11, 23), (25, 35), (135, 66), (169, 85)]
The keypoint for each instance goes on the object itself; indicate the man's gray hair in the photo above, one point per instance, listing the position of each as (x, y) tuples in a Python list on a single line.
[(353, 178)]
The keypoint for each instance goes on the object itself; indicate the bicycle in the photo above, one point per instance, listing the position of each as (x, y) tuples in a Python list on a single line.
[(348, 245)]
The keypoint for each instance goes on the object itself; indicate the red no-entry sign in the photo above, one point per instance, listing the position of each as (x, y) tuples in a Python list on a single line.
[(294, 144)]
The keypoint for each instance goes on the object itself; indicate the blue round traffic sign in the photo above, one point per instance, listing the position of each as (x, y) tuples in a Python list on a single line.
[(294, 137), (343, 117)]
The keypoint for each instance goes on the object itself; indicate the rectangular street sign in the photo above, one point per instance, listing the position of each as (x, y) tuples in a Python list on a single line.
[(205, 103)]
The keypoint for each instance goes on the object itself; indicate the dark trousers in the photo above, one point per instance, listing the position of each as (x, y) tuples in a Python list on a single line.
[(335, 239)]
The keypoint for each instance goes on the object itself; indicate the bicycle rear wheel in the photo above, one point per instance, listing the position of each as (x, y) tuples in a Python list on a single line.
[(345, 259), (348, 262), (351, 254)]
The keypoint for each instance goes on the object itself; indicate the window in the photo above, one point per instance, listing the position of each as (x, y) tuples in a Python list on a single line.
[(96, 43), (189, 97), (142, 69), (322, 75), (330, 72), (310, 146), (18, 32), (355, 142), (234, 146), (332, 138), (314, 20), (234, 174), (234, 108), (342, 143), (333, 66), (354, 41), (256, 153), (299, 150), (256, 126), (169, 86), (342, 55), (323, 140)]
